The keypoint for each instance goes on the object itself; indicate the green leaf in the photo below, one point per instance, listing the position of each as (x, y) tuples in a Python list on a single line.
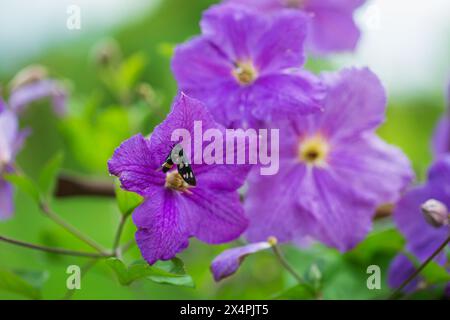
[(17, 283), (298, 292), (435, 274), (386, 242), (26, 185), (127, 201), (48, 175), (174, 267), (120, 270), (167, 274)]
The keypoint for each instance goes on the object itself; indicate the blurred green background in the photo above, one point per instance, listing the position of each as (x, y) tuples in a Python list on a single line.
[(132, 93)]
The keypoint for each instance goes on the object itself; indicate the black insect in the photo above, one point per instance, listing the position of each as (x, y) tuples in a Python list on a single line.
[(176, 156)]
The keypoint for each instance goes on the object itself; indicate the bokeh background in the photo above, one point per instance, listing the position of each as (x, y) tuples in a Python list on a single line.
[(406, 42)]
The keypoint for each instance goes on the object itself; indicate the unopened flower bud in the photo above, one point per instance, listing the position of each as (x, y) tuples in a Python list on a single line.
[(272, 241), (107, 53), (436, 213), (30, 74)]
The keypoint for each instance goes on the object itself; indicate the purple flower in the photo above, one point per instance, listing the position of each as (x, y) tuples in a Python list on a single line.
[(334, 169), (441, 139), (228, 262), (245, 67), (211, 211), (11, 140), (400, 269), (422, 238), (28, 93), (331, 24)]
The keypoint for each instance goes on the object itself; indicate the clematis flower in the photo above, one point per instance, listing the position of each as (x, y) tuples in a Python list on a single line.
[(246, 67), (173, 212), (422, 238), (331, 24), (229, 261), (334, 170), (32, 84), (11, 140)]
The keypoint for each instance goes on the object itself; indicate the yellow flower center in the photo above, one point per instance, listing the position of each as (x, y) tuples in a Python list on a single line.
[(296, 4), (175, 182), (314, 150), (245, 72)]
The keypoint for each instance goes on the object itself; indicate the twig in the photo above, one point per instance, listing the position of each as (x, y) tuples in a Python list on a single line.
[(417, 272), (52, 249), (69, 186), (71, 229)]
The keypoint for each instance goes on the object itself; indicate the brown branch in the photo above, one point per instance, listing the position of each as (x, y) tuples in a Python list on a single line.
[(52, 250), (69, 186)]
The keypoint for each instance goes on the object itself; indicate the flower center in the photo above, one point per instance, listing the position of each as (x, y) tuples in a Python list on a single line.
[(314, 150), (175, 182), (296, 4), (245, 72)]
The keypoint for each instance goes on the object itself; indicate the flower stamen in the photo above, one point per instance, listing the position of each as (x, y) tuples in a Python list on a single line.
[(245, 72), (314, 150), (295, 4), (175, 182)]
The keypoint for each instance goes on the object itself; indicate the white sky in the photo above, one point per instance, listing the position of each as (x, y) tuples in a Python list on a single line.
[(406, 42)]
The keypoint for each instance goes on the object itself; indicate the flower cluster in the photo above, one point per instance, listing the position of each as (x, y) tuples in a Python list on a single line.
[(245, 72), (424, 234), (29, 85)]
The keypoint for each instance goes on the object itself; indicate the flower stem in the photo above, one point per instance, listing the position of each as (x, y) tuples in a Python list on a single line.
[(286, 264), (71, 229), (51, 249), (123, 220), (398, 291)]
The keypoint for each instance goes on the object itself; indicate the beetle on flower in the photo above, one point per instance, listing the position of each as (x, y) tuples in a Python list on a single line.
[(174, 211)]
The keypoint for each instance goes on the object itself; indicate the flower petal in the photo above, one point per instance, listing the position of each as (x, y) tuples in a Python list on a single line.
[(228, 262), (185, 112), (282, 45), (286, 96), (9, 126), (332, 30), (441, 137), (160, 234), (399, 270), (206, 76), (235, 31), (422, 238), (374, 168), (6, 200), (355, 103), (212, 217), (271, 204), (133, 162), (29, 93), (342, 215)]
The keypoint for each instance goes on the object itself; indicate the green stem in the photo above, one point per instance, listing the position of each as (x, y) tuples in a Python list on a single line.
[(119, 232), (51, 249), (71, 229), (398, 291), (286, 264)]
